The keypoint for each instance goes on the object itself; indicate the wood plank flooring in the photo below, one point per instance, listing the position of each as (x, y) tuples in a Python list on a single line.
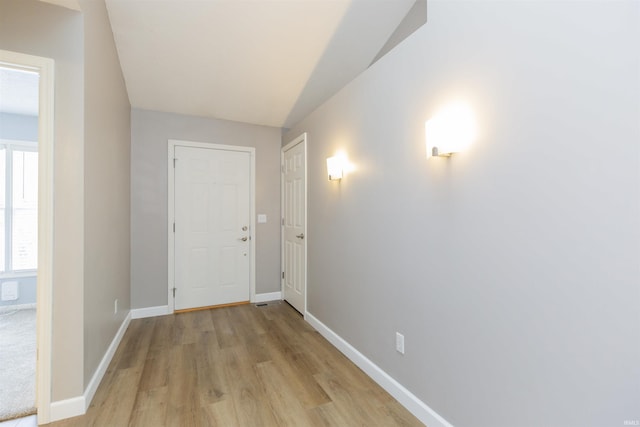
[(235, 366)]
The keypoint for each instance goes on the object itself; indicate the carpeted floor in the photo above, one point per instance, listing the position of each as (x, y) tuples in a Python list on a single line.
[(17, 363)]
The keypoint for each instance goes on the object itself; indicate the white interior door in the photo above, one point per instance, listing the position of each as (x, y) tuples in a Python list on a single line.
[(294, 224), (212, 227)]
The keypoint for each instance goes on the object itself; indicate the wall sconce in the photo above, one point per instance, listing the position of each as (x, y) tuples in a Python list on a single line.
[(450, 131), (335, 167)]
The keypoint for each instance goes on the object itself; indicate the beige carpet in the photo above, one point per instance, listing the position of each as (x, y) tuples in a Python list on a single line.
[(17, 363)]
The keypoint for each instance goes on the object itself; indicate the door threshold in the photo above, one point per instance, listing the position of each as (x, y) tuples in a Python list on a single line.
[(209, 307)]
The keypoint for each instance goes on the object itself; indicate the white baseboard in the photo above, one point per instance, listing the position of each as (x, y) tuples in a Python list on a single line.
[(90, 391), (407, 399), (78, 405), (270, 296), (141, 313), (5, 308), (67, 408)]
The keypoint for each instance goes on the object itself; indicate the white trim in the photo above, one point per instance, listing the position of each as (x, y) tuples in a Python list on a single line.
[(67, 408), (79, 405), (11, 147), (90, 391), (407, 399), (172, 143), (296, 141), (19, 275), (45, 67), (20, 143), (14, 307), (270, 296), (300, 139), (142, 313), (171, 214)]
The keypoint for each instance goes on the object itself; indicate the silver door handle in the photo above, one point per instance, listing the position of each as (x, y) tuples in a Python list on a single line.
[(300, 236), (244, 239)]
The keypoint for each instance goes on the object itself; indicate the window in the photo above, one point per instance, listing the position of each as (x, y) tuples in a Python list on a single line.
[(18, 207)]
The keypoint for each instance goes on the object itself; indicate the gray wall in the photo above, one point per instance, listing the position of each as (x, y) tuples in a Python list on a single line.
[(512, 268), (150, 132), (26, 291), (18, 127), (91, 156), (36, 28), (415, 18), (107, 149)]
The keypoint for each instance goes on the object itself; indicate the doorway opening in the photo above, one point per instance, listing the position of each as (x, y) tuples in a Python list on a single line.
[(26, 234), (18, 240)]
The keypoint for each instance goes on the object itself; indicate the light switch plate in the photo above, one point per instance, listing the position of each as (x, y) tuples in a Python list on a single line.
[(262, 218)]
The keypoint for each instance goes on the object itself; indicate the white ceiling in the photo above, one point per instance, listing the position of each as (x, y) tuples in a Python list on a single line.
[(267, 62)]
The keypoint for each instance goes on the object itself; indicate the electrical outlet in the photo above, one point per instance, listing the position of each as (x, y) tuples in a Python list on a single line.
[(399, 343), (115, 306), (10, 291)]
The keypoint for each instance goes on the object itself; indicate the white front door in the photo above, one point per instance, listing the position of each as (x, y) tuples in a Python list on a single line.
[(212, 227), (294, 224)]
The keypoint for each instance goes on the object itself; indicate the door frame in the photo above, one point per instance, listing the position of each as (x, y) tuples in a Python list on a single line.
[(302, 139), (44, 322), (172, 144)]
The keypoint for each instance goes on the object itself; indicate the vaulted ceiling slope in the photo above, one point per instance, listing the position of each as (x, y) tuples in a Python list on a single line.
[(268, 62)]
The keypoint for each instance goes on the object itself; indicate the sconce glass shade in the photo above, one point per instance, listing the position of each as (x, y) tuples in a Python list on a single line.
[(450, 131), (335, 168)]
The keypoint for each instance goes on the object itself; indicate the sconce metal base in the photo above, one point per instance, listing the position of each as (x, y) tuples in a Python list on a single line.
[(435, 153)]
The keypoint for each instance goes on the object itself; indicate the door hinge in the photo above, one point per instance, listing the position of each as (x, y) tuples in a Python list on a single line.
[(282, 222), (174, 292), (283, 274), (174, 227), (174, 162)]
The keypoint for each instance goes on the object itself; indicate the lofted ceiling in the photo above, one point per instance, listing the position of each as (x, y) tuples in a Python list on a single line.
[(268, 62)]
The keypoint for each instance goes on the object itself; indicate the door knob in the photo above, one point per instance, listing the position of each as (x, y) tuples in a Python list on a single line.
[(244, 239), (244, 228), (300, 236)]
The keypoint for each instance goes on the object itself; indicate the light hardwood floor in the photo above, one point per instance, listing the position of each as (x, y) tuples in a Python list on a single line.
[(235, 366)]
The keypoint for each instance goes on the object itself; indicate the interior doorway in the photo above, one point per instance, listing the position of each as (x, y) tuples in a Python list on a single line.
[(294, 223), (26, 231)]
